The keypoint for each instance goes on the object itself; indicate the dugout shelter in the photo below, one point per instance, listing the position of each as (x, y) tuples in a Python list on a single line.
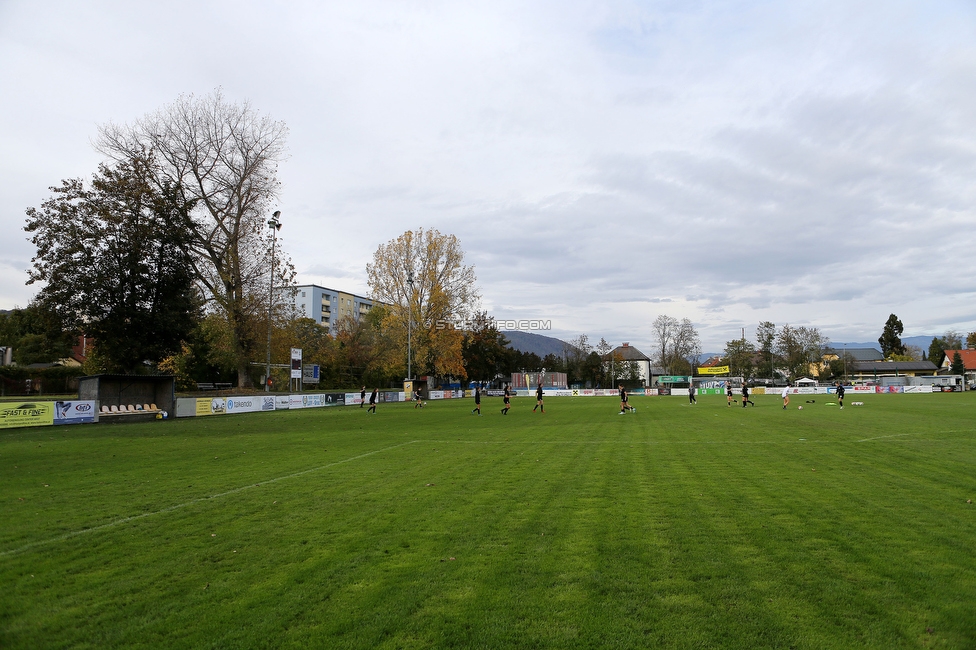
[(122, 390)]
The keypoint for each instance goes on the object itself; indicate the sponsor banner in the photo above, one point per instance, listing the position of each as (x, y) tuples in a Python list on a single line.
[(408, 389), (587, 392), (296, 402), (760, 390), (250, 404), (714, 370), (521, 393), (334, 399), (651, 391), (918, 389), (74, 412), (636, 391), (561, 392), (663, 390), (313, 401), (673, 379), (492, 392), (211, 406), (282, 402), (711, 391), (26, 414), (435, 394), (861, 389), (353, 398), (802, 390), (711, 383)]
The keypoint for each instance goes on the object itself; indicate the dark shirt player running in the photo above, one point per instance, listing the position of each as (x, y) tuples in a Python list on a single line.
[(624, 405)]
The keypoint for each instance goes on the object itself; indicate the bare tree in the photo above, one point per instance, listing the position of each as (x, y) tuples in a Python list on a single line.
[(677, 346), (223, 157), (665, 333)]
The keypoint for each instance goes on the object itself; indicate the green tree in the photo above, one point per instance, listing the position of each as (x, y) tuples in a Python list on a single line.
[(369, 349), (739, 354), (958, 368), (971, 341), (765, 339), (799, 348), (951, 340), (36, 334), (890, 337), (575, 353), (206, 355), (484, 350), (114, 259)]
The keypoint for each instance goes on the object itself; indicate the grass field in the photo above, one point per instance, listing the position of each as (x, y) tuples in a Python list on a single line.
[(675, 527)]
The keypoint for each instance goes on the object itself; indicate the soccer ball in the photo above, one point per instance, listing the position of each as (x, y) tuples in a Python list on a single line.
[(800, 407)]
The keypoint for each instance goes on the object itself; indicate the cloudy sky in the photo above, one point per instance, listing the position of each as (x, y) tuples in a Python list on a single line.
[(811, 163)]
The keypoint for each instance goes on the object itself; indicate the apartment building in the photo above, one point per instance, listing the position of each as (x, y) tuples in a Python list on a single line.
[(328, 306)]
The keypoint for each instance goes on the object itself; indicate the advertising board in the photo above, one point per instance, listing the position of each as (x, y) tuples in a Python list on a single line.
[(282, 402), (74, 412), (211, 406), (26, 414), (334, 399), (250, 404)]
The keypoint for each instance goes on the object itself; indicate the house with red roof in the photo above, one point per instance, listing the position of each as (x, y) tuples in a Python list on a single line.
[(968, 362)]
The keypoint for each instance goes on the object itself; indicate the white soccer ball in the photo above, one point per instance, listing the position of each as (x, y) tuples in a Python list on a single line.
[(800, 407)]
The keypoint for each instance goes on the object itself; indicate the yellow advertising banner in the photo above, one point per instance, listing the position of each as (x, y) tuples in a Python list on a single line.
[(26, 414), (714, 370), (407, 390), (208, 406)]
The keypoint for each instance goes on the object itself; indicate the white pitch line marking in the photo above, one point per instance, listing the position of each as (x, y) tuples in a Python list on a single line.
[(894, 435), (125, 520)]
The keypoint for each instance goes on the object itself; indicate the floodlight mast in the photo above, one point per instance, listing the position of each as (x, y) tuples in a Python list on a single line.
[(409, 324), (275, 226)]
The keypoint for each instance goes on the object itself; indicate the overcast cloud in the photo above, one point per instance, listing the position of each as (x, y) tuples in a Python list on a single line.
[(602, 163)]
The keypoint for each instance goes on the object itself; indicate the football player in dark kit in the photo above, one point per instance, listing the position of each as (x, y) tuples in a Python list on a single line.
[(362, 397), (624, 405), (508, 400), (745, 396), (840, 394), (477, 400), (372, 402), (538, 399)]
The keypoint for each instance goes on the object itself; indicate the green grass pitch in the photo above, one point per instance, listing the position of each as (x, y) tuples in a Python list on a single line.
[(675, 527)]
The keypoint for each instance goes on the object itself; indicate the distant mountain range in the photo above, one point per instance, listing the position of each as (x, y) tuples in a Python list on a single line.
[(534, 343), (921, 341), (543, 345)]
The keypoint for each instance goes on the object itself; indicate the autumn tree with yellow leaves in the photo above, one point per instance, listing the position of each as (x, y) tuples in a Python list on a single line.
[(441, 298)]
